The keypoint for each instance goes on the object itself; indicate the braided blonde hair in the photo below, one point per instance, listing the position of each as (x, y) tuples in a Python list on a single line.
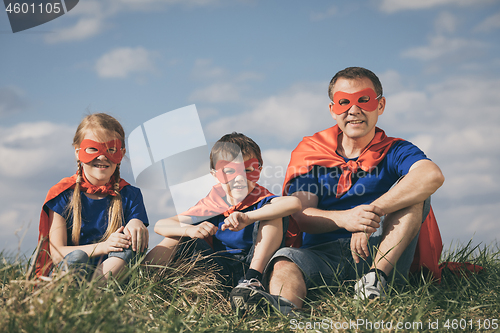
[(96, 122)]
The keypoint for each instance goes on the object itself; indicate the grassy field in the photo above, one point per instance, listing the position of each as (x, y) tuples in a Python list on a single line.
[(188, 298)]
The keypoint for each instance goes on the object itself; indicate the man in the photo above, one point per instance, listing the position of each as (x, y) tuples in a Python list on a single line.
[(364, 196)]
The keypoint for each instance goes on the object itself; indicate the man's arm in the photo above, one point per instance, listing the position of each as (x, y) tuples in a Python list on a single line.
[(317, 221), (423, 179)]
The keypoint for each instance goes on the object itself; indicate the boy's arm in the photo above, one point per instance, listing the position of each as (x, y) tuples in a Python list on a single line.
[(180, 226), (278, 207)]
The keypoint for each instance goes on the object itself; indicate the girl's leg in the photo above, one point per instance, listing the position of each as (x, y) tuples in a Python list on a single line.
[(162, 253)]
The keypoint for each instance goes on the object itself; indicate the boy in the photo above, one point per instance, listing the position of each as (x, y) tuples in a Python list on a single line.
[(243, 220)]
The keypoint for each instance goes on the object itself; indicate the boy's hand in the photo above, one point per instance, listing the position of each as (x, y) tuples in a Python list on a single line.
[(202, 230), (236, 221)]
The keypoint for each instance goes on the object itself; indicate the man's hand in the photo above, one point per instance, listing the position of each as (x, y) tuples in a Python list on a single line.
[(139, 234), (202, 230), (236, 221), (359, 246), (363, 218)]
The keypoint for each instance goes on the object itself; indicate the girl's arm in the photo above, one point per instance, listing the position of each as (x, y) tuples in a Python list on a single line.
[(279, 207), (59, 248), (180, 226)]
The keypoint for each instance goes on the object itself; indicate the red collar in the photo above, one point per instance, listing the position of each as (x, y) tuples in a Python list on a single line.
[(214, 204)]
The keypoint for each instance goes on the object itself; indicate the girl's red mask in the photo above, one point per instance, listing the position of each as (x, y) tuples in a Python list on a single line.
[(358, 98), (90, 150), (226, 171)]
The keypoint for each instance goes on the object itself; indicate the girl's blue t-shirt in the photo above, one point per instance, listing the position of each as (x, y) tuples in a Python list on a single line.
[(95, 212), (366, 186), (233, 242)]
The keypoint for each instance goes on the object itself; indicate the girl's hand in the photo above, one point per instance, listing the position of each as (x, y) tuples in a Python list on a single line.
[(202, 230), (139, 234), (117, 241)]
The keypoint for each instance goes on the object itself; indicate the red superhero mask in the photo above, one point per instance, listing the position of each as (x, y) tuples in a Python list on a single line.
[(366, 99), (89, 150), (226, 171)]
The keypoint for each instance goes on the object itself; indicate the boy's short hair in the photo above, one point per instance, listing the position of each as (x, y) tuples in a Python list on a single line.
[(352, 73), (233, 144)]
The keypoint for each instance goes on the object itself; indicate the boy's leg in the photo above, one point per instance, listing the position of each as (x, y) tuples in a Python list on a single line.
[(162, 253), (268, 241)]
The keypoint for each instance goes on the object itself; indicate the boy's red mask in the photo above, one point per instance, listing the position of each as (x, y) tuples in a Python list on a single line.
[(348, 100), (236, 169), (89, 150)]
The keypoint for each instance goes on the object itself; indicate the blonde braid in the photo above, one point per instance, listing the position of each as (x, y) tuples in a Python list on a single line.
[(75, 207), (115, 212)]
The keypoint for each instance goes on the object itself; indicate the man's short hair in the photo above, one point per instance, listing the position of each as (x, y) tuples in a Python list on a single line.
[(233, 144), (352, 73)]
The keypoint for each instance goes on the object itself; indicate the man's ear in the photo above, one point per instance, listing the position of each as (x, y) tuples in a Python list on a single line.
[(334, 115), (381, 105)]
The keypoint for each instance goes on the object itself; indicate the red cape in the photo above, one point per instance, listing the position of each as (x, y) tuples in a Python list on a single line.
[(43, 261), (320, 149), (214, 204)]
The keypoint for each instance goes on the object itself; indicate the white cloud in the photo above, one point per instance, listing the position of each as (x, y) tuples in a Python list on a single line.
[(85, 27), (93, 16), (11, 100), (489, 24), (223, 87), (30, 149), (392, 6), (299, 111), (217, 93), (319, 16), (121, 62), (446, 23), (450, 49)]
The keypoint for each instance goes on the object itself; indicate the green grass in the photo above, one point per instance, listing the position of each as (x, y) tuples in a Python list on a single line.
[(188, 298)]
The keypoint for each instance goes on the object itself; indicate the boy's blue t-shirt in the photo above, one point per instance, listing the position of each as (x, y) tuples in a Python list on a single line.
[(366, 186), (95, 212), (233, 242)]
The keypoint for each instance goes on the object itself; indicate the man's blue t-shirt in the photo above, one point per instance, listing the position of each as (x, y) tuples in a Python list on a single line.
[(233, 242), (95, 212), (366, 186)]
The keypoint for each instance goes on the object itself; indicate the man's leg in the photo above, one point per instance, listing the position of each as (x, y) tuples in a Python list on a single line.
[(396, 248), (399, 229), (287, 280)]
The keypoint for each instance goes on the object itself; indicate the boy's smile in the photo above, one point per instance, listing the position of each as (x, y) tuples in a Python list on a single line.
[(238, 187)]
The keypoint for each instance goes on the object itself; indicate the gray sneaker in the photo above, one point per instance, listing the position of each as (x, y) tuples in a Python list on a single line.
[(370, 286), (249, 293)]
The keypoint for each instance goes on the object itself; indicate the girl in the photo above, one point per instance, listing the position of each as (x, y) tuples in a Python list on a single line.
[(93, 217)]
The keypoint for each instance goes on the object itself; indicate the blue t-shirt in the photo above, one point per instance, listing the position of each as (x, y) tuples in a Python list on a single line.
[(95, 212), (366, 186), (233, 242)]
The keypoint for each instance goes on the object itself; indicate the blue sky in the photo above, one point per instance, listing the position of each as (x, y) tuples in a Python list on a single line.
[(261, 68)]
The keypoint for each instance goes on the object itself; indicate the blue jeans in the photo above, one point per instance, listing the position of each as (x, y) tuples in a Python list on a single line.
[(231, 267), (79, 260), (331, 263)]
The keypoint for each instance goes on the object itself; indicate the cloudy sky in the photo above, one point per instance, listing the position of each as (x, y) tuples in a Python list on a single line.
[(261, 68)]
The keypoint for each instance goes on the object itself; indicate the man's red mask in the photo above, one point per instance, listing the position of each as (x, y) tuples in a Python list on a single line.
[(226, 171), (89, 150), (366, 99)]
